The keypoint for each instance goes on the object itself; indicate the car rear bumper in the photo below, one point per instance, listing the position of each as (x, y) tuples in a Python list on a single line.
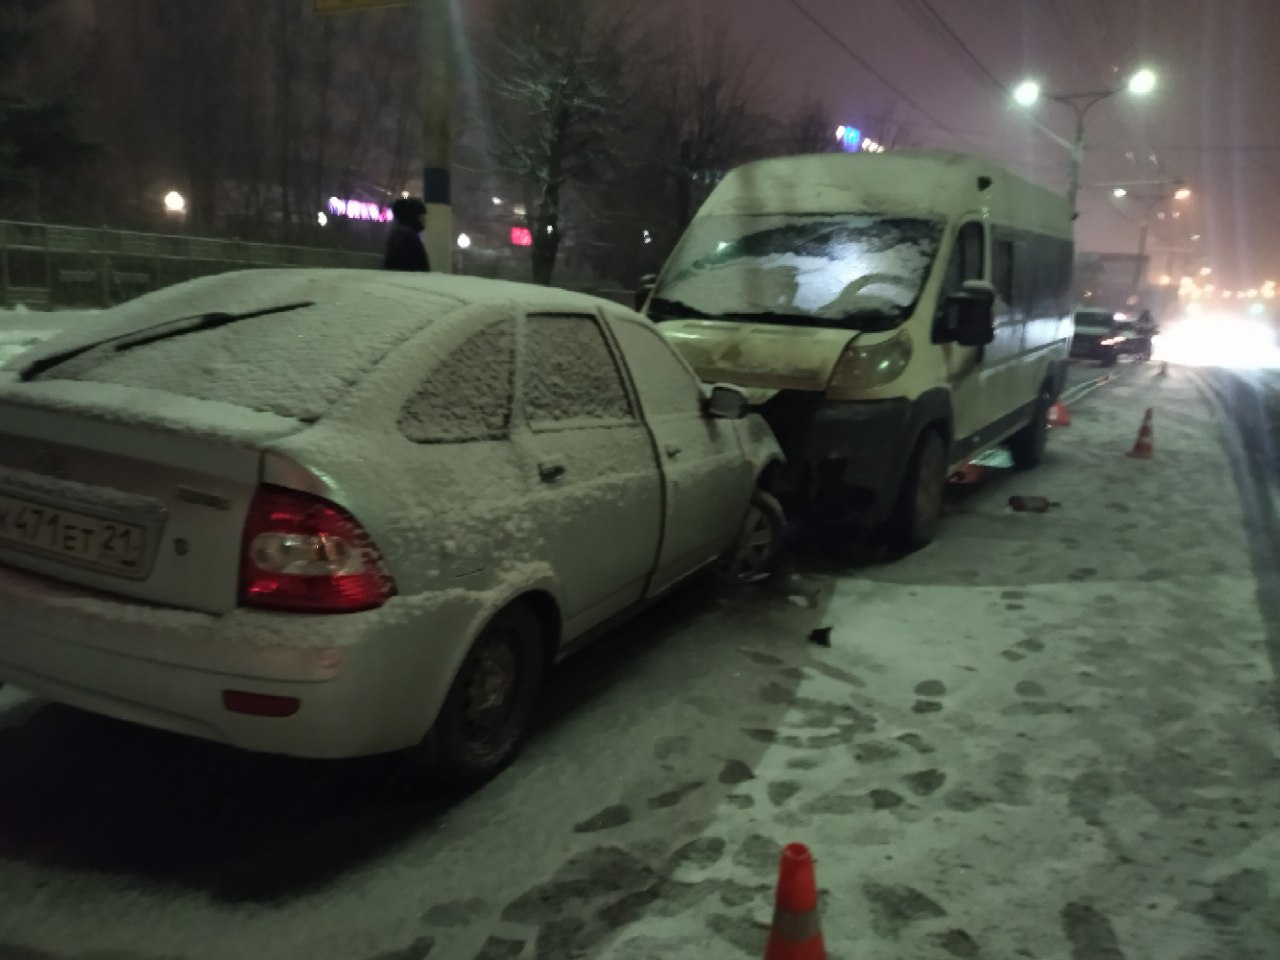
[(365, 683)]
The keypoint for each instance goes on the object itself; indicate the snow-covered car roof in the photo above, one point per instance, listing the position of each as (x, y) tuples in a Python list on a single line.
[(296, 342), (359, 291)]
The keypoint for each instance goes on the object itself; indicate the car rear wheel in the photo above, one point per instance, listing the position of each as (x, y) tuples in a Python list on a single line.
[(1027, 445), (755, 553), (919, 509), (487, 713)]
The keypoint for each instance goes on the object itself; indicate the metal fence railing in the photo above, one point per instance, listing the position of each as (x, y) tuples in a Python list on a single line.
[(45, 265)]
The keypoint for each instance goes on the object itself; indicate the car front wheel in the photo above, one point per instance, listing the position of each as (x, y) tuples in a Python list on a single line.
[(919, 509), (755, 553)]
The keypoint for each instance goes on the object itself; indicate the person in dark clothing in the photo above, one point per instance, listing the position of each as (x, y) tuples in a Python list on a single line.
[(1145, 329), (405, 250)]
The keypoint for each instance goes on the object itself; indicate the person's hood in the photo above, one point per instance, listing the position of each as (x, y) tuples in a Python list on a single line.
[(409, 212)]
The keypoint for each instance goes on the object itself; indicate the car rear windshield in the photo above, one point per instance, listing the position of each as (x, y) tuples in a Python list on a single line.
[(295, 363), (1095, 318)]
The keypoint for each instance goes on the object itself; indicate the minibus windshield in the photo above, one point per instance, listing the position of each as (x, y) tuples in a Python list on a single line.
[(856, 270)]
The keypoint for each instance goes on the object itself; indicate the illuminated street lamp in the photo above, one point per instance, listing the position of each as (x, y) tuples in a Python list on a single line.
[(175, 203), (1028, 93), (1142, 82), (1119, 193)]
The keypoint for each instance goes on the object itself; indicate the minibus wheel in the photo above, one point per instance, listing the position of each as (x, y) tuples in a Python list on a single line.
[(919, 509)]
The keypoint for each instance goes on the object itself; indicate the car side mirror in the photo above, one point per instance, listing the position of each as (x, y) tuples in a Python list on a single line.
[(727, 402), (968, 316), (644, 288)]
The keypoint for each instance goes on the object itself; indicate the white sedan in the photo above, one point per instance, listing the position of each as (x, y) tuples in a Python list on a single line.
[(326, 513)]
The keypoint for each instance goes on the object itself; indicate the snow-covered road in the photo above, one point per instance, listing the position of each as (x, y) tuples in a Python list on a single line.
[(1046, 736)]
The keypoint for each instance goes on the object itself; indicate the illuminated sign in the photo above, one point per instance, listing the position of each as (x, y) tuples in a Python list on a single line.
[(359, 210), (852, 141), (850, 138), (521, 237)]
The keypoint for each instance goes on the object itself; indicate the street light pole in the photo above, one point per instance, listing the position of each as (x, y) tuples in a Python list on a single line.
[(437, 130), (1027, 93), (1081, 104)]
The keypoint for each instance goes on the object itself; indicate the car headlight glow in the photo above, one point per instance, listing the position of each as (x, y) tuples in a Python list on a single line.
[(865, 367)]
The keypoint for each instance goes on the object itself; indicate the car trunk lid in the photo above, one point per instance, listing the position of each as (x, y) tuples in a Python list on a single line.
[(131, 492)]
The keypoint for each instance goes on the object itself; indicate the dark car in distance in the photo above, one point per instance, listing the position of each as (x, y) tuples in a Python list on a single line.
[(1100, 336)]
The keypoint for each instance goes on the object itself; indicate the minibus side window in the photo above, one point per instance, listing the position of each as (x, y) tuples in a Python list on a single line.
[(1002, 269)]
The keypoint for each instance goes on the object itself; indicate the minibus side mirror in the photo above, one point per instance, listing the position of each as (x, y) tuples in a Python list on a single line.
[(968, 316)]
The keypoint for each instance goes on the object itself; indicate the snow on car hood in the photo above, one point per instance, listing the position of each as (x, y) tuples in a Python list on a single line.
[(759, 356)]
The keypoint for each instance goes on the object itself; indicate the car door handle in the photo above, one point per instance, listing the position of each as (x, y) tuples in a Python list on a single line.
[(673, 451), (550, 472)]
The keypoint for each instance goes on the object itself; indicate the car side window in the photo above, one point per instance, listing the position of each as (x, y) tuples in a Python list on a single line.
[(967, 258), (1002, 269), (571, 378), (665, 383), (469, 393)]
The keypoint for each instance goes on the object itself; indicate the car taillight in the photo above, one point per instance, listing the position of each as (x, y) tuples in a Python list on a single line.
[(305, 554)]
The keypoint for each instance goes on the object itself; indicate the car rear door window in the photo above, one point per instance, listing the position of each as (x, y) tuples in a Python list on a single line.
[(571, 376), (468, 395)]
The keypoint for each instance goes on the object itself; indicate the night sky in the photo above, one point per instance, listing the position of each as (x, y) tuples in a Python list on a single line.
[(1212, 122)]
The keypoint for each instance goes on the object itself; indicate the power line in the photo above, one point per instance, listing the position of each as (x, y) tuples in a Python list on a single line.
[(964, 48), (866, 65)]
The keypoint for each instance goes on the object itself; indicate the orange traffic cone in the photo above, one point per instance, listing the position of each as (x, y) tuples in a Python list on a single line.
[(1059, 416), (795, 933), (1144, 447)]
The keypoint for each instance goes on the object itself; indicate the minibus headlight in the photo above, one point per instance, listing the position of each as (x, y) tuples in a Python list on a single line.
[(866, 367)]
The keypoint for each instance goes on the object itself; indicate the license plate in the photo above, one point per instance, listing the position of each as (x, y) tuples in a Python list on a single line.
[(110, 545)]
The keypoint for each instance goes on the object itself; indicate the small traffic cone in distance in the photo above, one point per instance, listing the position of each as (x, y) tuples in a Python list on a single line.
[(1059, 416), (796, 933), (1144, 447)]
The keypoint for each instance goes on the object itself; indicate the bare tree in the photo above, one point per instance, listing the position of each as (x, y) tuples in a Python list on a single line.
[(882, 125), (809, 129), (558, 73), (709, 118)]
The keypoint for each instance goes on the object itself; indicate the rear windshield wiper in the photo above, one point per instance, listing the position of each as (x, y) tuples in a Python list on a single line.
[(161, 331)]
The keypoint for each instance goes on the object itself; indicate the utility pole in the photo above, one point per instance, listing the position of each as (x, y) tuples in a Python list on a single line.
[(1177, 191), (436, 18)]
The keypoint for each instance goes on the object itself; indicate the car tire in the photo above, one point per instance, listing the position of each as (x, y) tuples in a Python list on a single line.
[(1111, 359), (1028, 444), (487, 713), (757, 549), (918, 512)]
